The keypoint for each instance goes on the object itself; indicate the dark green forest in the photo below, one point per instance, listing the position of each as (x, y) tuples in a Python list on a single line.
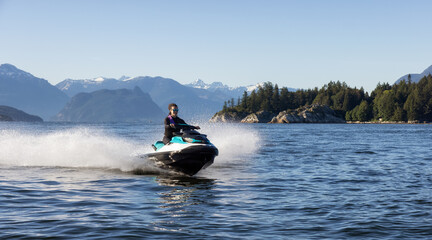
[(404, 101)]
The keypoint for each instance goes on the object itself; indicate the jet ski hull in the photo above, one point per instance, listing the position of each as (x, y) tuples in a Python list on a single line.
[(188, 160)]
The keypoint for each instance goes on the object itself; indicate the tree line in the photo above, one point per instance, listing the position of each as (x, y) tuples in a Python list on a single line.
[(402, 101)]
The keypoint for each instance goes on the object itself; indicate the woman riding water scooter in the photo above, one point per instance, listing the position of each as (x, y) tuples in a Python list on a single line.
[(172, 122)]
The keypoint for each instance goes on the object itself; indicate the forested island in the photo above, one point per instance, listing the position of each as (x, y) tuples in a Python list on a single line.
[(405, 101)]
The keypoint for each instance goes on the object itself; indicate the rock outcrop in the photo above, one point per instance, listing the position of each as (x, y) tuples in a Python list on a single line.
[(227, 117), (258, 117), (308, 114)]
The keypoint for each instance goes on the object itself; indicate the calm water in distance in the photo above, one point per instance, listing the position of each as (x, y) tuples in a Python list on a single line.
[(292, 181)]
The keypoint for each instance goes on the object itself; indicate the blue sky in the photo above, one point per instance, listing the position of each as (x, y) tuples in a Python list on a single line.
[(300, 44)]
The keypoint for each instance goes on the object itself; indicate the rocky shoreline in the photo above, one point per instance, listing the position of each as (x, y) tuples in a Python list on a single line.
[(307, 114)]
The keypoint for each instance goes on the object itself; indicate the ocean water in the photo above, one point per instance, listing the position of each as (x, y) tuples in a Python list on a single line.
[(293, 181)]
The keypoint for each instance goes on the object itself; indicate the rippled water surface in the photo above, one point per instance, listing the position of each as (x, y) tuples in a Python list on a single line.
[(294, 181)]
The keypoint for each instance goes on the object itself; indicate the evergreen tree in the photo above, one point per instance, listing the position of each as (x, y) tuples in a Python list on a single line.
[(285, 99), (275, 101), (225, 107), (348, 115), (266, 97), (337, 100), (412, 106), (399, 102), (427, 99), (244, 101), (363, 112), (253, 102), (385, 105), (398, 114), (265, 105), (348, 101)]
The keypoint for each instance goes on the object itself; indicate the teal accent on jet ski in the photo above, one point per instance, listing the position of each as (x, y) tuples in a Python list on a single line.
[(158, 145), (177, 139), (186, 136)]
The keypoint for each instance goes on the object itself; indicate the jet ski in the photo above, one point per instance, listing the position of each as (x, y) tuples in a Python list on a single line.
[(187, 153)]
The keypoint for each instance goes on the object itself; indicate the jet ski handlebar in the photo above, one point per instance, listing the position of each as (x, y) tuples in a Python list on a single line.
[(186, 126), (182, 128)]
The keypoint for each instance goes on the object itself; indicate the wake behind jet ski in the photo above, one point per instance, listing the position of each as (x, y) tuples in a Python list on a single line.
[(183, 149)]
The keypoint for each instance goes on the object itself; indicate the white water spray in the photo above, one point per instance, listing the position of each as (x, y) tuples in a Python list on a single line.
[(92, 148), (78, 147), (235, 142)]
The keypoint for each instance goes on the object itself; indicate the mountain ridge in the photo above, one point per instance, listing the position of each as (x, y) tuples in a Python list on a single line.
[(415, 77), (198, 103), (22, 90), (123, 105), (37, 96)]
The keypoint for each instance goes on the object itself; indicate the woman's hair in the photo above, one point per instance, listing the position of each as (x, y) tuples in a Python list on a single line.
[(172, 105)]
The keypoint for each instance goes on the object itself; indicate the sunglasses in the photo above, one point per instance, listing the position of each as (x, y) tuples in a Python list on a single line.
[(175, 110)]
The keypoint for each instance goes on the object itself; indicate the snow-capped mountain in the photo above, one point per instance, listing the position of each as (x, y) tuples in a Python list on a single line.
[(214, 86), (415, 77), (12, 71), (233, 92), (251, 88), (72, 86)]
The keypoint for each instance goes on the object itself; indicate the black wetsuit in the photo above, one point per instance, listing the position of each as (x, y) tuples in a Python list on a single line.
[(169, 131)]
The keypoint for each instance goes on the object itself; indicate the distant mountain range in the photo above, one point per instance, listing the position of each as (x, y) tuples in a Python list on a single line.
[(194, 103), (121, 105), (233, 92), (219, 87), (415, 77), (33, 95), (197, 101)]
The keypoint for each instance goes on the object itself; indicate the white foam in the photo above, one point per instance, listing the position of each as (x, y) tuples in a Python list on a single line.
[(235, 142), (93, 148), (78, 147)]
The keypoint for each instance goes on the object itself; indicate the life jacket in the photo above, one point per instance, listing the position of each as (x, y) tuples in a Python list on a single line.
[(171, 119)]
